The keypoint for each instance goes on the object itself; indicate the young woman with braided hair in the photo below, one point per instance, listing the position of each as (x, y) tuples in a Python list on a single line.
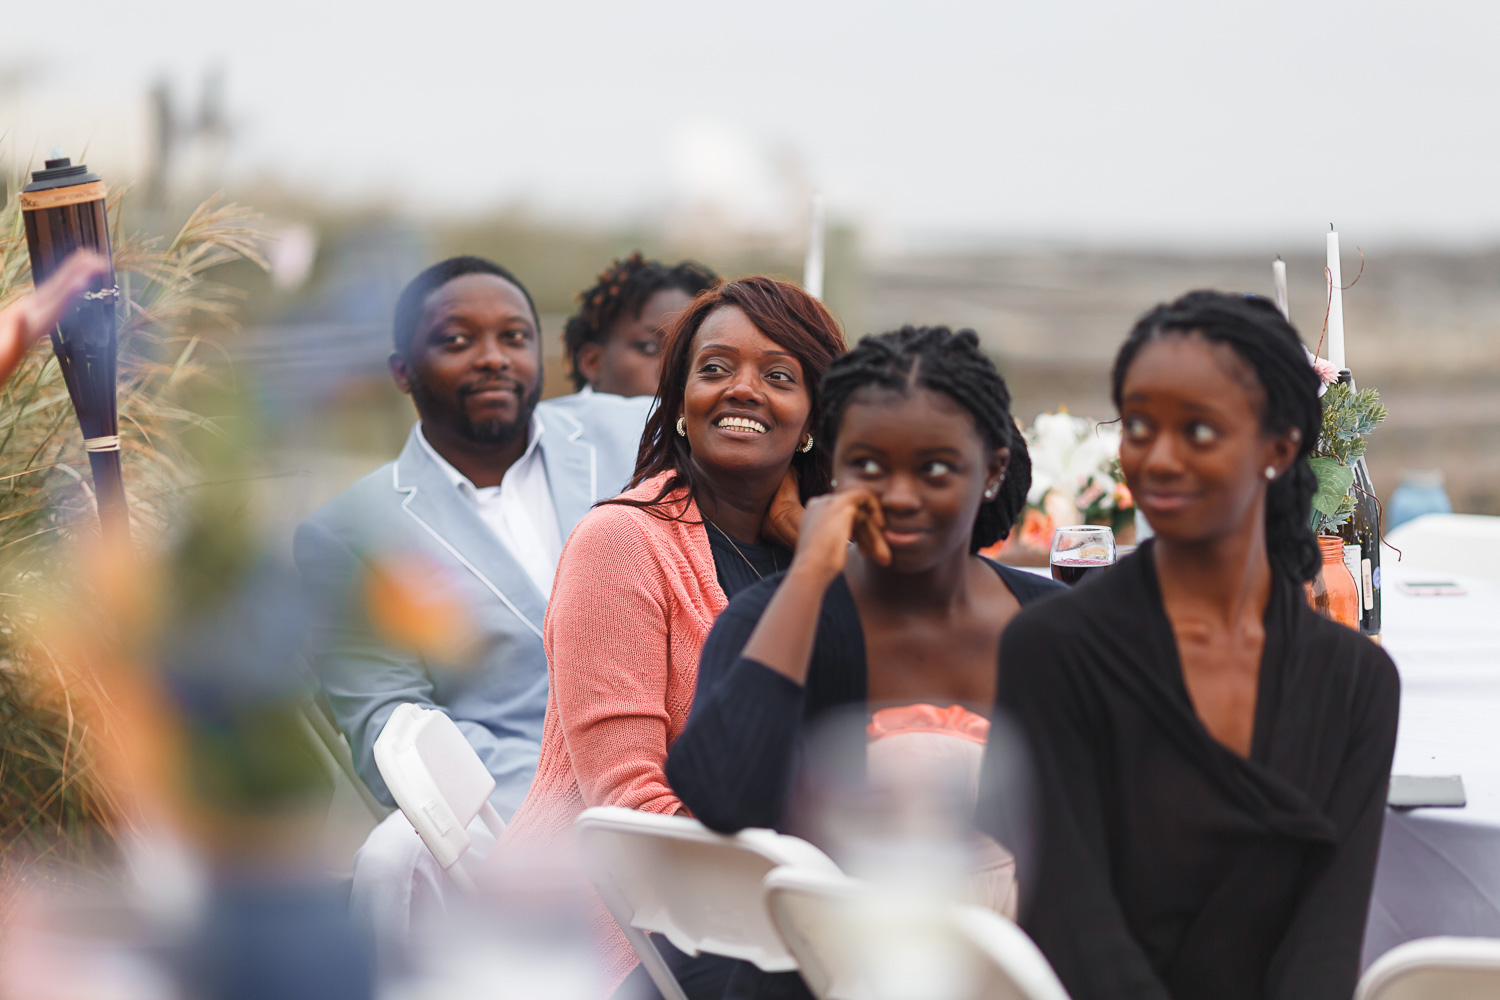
[(1212, 755), (929, 467), (613, 343)]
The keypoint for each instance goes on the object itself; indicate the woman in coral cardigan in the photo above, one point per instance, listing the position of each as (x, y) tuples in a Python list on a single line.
[(725, 463)]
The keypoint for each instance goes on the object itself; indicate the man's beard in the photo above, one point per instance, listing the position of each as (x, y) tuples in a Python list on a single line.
[(485, 432)]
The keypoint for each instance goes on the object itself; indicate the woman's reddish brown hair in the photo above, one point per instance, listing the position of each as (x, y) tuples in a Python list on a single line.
[(794, 321)]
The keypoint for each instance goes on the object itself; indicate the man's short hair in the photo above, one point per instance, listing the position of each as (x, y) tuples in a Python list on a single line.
[(409, 305)]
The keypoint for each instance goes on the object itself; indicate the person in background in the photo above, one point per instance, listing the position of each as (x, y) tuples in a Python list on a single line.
[(31, 317), (929, 467), (1212, 755), (727, 459), (476, 507), (613, 343)]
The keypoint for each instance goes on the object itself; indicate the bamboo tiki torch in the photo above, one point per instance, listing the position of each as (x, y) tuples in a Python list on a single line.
[(63, 208)]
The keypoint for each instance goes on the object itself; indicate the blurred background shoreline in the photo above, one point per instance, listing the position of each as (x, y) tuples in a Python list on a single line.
[(1422, 326), (1043, 176)]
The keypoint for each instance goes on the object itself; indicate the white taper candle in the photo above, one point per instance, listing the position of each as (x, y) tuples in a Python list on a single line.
[(1335, 348), (812, 267), (1278, 286)]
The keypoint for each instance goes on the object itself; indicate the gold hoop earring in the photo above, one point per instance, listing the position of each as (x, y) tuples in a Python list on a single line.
[(681, 427), (806, 446)]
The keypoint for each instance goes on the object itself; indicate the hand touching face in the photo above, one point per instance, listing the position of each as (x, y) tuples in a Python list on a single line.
[(830, 523)]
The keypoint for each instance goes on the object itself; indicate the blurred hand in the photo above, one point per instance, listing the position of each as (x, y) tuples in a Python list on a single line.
[(784, 517), (830, 523), (26, 320)]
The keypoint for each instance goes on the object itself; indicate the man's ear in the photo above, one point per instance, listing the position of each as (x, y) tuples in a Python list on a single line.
[(590, 362), (400, 371)]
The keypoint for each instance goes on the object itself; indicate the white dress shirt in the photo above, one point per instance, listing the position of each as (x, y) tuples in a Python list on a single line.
[(519, 511)]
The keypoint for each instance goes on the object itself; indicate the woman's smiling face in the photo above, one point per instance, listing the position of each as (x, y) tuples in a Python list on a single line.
[(745, 405), (922, 456), (1192, 448)]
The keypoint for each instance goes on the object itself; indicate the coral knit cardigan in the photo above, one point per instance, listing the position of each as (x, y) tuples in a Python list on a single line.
[(632, 603)]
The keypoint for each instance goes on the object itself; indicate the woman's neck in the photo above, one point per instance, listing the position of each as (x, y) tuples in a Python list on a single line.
[(1224, 578), (939, 589), (736, 504)]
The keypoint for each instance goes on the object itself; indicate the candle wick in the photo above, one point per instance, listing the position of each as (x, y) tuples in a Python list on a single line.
[(1330, 227)]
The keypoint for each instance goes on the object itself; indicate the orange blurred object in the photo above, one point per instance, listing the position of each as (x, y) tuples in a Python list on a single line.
[(1028, 543), (415, 605)]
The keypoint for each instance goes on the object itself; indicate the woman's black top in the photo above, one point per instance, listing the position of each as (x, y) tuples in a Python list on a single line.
[(734, 764), (1170, 866), (739, 565)]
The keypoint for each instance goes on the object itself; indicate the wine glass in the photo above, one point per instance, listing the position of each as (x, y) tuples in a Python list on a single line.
[(1079, 549)]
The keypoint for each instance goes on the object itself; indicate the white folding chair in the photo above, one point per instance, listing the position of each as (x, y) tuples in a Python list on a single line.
[(438, 781), (701, 890), (847, 935), (333, 750), (1466, 544), (1435, 968)]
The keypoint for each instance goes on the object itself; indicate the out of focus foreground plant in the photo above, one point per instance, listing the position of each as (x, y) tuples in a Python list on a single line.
[(56, 805)]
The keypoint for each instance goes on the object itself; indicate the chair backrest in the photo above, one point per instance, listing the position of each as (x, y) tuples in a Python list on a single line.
[(701, 890), (334, 751), (1465, 544), (848, 935), (438, 780), (1440, 968)]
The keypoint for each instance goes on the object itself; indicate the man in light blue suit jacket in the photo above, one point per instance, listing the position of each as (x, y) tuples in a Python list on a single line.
[(489, 485)]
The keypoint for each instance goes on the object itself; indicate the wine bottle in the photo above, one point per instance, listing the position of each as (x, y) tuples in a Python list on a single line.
[(1363, 529)]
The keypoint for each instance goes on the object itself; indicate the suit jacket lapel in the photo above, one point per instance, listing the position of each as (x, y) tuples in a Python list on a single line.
[(572, 470), (454, 525)]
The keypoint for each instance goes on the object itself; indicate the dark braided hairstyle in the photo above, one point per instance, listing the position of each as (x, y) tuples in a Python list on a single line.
[(622, 290), (937, 359), (1269, 346)]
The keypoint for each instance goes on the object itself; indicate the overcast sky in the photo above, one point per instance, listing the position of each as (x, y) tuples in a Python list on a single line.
[(1155, 123)]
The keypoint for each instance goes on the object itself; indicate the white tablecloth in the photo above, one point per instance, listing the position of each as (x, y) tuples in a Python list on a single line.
[(1439, 869)]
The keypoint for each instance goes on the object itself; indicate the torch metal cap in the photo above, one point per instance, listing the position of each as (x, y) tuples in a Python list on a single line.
[(60, 172)]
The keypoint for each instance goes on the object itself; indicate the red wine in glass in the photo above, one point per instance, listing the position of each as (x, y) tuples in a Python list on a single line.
[(1080, 549), (1070, 571)]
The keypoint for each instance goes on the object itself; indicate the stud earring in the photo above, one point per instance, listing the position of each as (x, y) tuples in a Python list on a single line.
[(806, 445), (1296, 436), (681, 427), (833, 484), (1270, 472), (989, 494)]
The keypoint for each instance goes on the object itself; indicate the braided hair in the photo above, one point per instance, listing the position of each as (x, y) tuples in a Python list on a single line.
[(1271, 349), (937, 359), (621, 291)]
